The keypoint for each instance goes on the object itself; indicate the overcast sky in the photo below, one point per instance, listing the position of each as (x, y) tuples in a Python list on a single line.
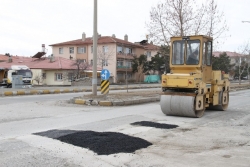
[(27, 24)]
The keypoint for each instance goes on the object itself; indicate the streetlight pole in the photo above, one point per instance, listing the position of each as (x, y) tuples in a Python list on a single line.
[(94, 68)]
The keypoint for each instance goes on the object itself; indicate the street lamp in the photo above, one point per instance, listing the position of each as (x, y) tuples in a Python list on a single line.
[(245, 21)]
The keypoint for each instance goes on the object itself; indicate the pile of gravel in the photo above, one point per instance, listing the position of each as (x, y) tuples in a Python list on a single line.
[(155, 125), (102, 143)]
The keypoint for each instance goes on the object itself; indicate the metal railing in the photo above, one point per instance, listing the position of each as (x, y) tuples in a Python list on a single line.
[(123, 67)]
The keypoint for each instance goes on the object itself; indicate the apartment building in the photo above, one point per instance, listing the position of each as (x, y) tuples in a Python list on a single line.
[(113, 53)]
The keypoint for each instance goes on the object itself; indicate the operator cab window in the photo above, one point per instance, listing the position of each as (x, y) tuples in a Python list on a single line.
[(209, 53), (193, 52), (178, 52)]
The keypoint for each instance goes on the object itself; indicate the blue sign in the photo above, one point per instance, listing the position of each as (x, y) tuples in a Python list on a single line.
[(105, 74)]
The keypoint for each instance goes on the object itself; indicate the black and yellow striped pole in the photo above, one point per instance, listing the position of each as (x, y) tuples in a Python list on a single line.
[(105, 86)]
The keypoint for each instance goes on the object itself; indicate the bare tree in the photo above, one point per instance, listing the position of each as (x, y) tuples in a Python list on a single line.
[(243, 60), (180, 18), (139, 65), (38, 78), (105, 54), (248, 65), (216, 25), (80, 65)]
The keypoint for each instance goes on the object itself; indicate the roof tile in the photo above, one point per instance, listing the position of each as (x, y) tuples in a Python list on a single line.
[(59, 63), (101, 40)]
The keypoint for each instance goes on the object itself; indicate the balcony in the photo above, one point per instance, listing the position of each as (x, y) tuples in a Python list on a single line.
[(123, 68), (125, 55)]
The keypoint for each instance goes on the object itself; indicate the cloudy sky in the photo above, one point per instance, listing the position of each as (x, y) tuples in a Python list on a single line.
[(27, 24)]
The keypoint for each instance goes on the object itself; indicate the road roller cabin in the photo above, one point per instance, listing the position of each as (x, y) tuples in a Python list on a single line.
[(192, 86)]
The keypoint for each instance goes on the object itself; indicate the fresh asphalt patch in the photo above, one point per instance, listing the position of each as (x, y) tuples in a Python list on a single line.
[(102, 143), (155, 125)]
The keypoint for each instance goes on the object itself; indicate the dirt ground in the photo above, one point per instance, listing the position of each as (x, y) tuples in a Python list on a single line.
[(132, 94)]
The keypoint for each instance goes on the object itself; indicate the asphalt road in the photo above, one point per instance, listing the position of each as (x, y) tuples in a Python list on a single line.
[(217, 139)]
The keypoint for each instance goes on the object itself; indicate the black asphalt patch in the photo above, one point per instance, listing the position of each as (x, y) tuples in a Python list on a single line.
[(155, 125), (102, 143)]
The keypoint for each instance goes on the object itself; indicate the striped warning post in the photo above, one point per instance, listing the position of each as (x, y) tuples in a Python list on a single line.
[(105, 86)]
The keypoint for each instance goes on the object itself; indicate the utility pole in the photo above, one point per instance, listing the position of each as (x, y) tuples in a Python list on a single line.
[(94, 68)]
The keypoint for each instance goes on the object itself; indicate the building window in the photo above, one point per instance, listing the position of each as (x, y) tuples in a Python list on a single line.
[(148, 54), (81, 50), (119, 49), (91, 62), (81, 60), (58, 76), (129, 64), (44, 75), (91, 49), (71, 50), (119, 63), (129, 76), (105, 49), (105, 63), (128, 50), (60, 50)]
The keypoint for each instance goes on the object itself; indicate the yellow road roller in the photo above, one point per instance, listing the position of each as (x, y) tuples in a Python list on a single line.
[(192, 86)]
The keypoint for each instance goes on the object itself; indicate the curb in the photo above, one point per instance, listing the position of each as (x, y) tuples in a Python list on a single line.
[(105, 103), (41, 92), (115, 103), (80, 101)]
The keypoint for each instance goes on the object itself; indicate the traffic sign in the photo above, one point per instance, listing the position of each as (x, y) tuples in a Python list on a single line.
[(105, 74)]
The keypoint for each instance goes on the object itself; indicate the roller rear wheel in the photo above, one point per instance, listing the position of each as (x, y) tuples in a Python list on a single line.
[(221, 107)]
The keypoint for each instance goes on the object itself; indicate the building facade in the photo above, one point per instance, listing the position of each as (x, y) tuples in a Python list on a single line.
[(113, 54)]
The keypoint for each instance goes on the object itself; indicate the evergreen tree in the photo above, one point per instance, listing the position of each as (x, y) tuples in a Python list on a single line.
[(221, 63), (165, 51), (157, 63)]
